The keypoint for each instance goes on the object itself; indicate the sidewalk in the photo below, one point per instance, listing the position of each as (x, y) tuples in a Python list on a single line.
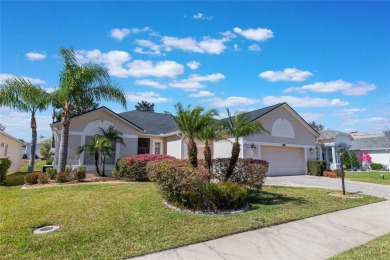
[(317, 237)]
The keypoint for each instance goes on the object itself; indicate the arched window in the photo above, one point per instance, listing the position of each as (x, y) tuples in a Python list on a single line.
[(282, 128)]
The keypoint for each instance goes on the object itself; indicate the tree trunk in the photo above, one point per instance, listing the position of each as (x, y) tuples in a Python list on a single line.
[(97, 163), (192, 154), (103, 165), (207, 155), (63, 151), (233, 160), (31, 162)]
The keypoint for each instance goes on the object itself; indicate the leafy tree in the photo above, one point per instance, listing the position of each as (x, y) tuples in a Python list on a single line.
[(20, 94), (317, 127), (102, 144), (211, 132), (88, 82), (346, 160), (387, 133), (45, 148), (145, 106), (80, 107), (190, 122), (239, 126), (354, 160), (2, 127)]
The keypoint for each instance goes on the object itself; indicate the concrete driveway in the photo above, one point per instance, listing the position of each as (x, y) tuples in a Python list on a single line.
[(329, 183)]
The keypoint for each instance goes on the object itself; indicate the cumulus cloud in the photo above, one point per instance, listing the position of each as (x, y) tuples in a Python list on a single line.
[(350, 89), (193, 65), (150, 83), (229, 35), (119, 34), (236, 47), (200, 16), (195, 81), (304, 101), (202, 93), (288, 74), (188, 44), (119, 65), (35, 56), (309, 117), (254, 47), (153, 48), (259, 34), (372, 120), (5, 76), (231, 101), (148, 96)]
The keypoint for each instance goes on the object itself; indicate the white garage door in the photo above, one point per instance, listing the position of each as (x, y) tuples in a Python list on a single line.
[(284, 160)]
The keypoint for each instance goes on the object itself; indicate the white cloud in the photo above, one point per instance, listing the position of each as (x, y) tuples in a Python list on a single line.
[(202, 93), (288, 74), (236, 47), (5, 76), (372, 120), (140, 30), (229, 35), (304, 101), (200, 16), (119, 34), (117, 63), (154, 49), (231, 101), (350, 89), (150, 83), (259, 34), (254, 47), (147, 96), (309, 117), (207, 45), (193, 65), (194, 82), (35, 56)]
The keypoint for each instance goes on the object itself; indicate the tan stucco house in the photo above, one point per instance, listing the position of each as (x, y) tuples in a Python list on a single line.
[(12, 148), (288, 146)]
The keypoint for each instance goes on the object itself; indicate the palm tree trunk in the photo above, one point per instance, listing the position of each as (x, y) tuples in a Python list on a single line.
[(192, 153), (207, 155), (233, 160), (97, 163), (63, 151), (104, 165), (31, 162)]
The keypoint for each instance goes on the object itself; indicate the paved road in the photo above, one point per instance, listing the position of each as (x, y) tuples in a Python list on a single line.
[(329, 183), (318, 237)]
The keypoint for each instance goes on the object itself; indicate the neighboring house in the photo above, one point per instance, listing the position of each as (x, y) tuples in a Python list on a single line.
[(38, 147), (329, 144), (288, 146), (377, 147), (12, 148)]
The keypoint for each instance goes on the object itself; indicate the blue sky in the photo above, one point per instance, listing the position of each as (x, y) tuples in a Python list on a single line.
[(330, 61)]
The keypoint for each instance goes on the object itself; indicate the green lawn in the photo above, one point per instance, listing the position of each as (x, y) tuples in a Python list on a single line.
[(371, 177), (378, 249), (15, 179), (37, 166), (115, 221)]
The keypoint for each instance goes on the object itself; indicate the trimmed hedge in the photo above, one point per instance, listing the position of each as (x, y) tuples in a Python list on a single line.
[(316, 168), (377, 166), (5, 164), (133, 168)]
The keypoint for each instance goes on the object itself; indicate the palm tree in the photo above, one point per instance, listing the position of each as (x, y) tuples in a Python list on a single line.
[(81, 82), (239, 126), (190, 122), (102, 144), (20, 94), (211, 132)]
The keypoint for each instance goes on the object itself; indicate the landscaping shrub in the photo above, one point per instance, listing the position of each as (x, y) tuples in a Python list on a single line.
[(346, 160), (63, 177), (332, 174), (51, 173), (133, 168), (248, 172), (5, 163), (24, 156), (377, 166), (49, 161), (226, 196), (31, 178), (42, 178), (316, 168), (81, 173)]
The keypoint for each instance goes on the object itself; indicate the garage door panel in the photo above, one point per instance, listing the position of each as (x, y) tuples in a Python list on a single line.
[(284, 160)]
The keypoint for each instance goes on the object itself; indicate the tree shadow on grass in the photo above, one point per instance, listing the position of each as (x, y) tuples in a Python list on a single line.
[(15, 179), (271, 198)]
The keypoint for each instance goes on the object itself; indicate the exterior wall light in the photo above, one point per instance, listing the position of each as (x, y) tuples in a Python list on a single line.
[(311, 150), (253, 146)]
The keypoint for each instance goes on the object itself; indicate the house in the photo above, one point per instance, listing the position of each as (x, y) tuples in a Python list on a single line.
[(330, 143), (37, 147), (12, 148), (288, 145), (378, 147)]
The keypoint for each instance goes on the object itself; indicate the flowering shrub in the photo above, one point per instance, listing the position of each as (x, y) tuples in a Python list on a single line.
[(42, 178), (133, 168), (62, 177), (332, 174), (158, 168), (365, 158), (248, 172), (31, 178)]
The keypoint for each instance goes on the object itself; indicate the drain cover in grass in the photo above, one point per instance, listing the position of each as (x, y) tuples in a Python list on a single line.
[(46, 229)]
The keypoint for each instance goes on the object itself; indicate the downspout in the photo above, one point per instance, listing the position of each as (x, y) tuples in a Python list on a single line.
[(181, 145)]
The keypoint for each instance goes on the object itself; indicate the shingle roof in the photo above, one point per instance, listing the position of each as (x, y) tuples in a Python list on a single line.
[(329, 134), (371, 143), (152, 123), (255, 114)]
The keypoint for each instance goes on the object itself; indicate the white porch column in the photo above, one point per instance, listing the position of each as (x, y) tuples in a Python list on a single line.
[(334, 159), (320, 157)]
